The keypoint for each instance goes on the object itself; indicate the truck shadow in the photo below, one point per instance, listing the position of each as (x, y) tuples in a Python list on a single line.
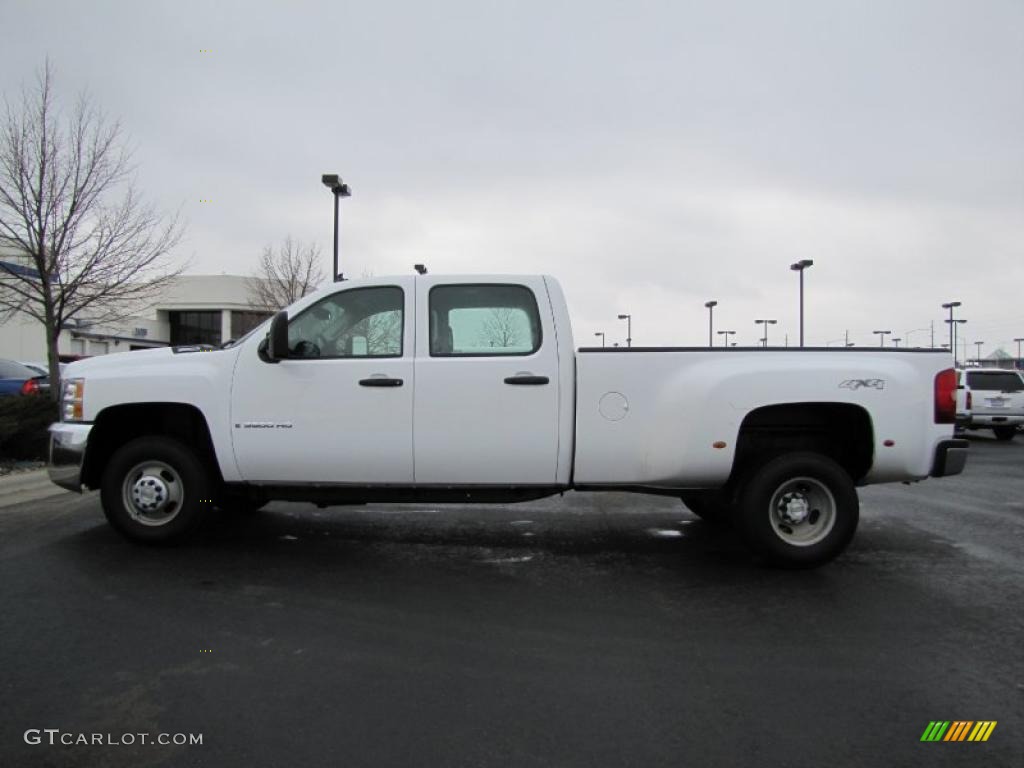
[(298, 538)]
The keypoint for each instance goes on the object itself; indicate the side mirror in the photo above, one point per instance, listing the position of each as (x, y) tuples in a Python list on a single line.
[(277, 338)]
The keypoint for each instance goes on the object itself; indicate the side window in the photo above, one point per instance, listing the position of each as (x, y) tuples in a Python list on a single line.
[(362, 322), (481, 320)]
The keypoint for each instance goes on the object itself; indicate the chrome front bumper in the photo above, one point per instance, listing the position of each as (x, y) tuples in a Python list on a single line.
[(67, 452)]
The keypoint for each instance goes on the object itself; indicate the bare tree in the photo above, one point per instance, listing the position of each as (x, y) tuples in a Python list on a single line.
[(501, 329), (285, 275), (383, 333), (92, 249)]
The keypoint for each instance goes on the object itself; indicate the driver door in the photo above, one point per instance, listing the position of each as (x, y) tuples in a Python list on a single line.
[(339, 409)]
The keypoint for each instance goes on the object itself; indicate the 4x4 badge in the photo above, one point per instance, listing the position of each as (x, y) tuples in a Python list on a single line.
[(860, 383)]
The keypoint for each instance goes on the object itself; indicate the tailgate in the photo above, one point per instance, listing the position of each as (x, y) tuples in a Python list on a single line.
[(996, 393)]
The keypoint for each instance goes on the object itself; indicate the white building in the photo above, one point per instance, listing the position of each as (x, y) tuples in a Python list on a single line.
[(192, 309)]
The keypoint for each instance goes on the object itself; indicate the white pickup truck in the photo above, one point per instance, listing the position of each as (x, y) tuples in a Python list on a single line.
[(426, 388)]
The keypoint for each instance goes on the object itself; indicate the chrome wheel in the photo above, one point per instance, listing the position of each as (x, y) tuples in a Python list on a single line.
[(802, 511), (153, 493)]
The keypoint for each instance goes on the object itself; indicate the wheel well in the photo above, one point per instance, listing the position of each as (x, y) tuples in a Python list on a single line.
[(118, 424), (841, 431)]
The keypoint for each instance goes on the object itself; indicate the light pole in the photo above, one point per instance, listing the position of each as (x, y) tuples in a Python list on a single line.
[(956, 342), (765, 323), (629, 329), (711, 319), (951, 305), (978, 344), (601, 334), (1019, 364), (340, 189), (800, 266), (881, 337), (896, 341), (727, 334)]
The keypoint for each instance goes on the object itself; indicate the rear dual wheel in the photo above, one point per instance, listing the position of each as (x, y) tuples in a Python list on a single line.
[(1004, 433), (798, 510)]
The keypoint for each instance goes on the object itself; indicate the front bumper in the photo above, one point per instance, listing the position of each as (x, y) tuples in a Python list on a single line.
[(67, 452), (950, 458)]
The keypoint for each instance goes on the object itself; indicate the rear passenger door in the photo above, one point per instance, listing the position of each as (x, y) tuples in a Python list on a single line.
[(486, 399)]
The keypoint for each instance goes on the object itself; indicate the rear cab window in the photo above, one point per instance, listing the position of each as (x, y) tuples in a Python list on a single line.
[(992, 381), (483, 320)]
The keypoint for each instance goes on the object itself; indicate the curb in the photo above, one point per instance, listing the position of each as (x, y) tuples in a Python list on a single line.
[(27, 486)]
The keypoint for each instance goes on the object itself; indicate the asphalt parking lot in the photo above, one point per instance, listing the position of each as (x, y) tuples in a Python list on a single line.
[(579, 631)]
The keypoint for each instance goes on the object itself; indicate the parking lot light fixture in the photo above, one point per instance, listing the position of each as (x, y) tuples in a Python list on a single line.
[(765, 323), (726, 334), (881, 337), (629, 329), (955, 341), (711, 320), (951, 305), (800, 266), (340, 189), (601, 334)]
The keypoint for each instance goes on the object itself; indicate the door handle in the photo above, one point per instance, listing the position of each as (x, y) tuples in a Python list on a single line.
[(380, 380), (527, 379)]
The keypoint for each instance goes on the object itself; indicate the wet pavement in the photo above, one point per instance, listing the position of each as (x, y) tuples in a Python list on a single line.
[(591, 629)]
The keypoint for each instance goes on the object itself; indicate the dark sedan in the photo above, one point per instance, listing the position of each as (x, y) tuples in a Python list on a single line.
[(18, 379)]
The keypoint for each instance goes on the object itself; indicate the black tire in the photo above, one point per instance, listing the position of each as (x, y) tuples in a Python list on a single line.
[(168, 500), (710, 506), (812, 487), (1004, 433)]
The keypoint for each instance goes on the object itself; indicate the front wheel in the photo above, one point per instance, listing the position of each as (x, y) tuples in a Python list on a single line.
[(155, 490), (1004, 433), (798, 510)]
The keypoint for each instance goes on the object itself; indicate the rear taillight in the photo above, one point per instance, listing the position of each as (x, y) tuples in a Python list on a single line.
[(30, 387), (970, 401), (945, 397)]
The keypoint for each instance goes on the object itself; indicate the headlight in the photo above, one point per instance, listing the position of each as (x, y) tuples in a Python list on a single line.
[(71, 398)]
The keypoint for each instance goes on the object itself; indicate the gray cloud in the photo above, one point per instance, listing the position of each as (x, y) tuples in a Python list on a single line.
[(651, 155)]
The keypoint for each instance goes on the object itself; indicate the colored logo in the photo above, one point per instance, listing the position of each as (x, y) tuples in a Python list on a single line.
[(958, 730)]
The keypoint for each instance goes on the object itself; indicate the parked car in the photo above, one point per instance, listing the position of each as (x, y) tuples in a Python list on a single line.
[(18, 379), (469, 389), (990, 398), (42, 368)]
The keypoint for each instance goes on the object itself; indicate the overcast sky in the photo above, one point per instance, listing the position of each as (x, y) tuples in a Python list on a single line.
[(651, 155)]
